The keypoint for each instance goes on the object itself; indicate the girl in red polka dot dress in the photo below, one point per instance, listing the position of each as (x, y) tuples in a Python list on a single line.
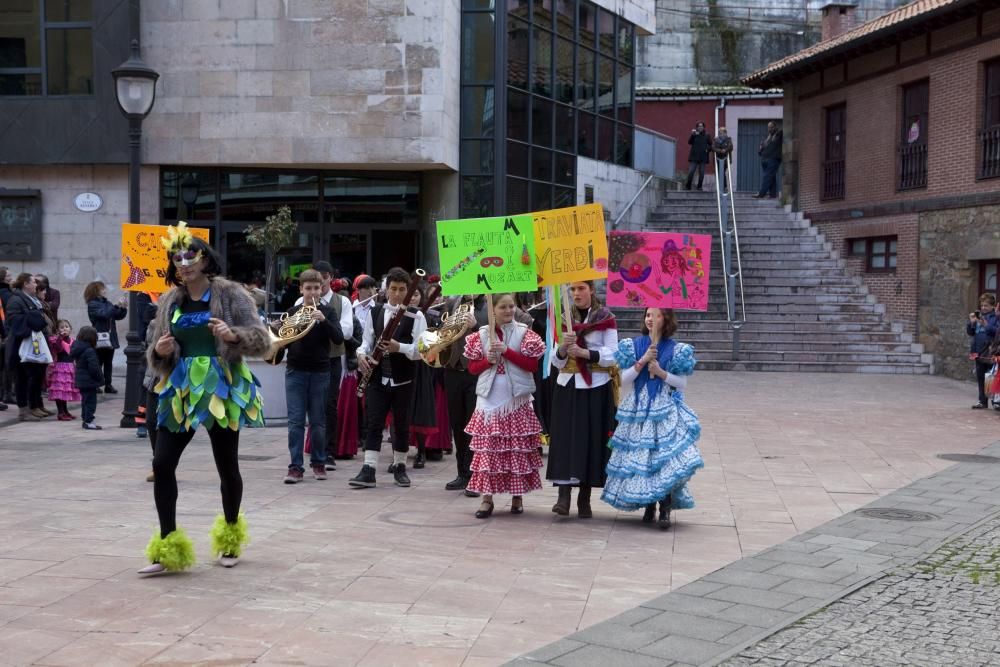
[(505, 432)]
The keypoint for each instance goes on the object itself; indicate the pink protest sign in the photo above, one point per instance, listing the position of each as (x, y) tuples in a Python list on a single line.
[(659, 270)]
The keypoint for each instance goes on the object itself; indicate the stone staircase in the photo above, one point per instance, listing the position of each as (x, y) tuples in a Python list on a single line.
[(804, 311)]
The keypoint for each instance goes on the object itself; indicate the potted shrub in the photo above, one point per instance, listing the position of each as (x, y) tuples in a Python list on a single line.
[(276, 234)]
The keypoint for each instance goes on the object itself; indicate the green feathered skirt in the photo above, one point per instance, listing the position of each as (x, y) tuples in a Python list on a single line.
[(209, 391)]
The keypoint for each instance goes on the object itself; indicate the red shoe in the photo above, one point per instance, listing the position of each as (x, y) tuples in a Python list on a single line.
[(71, 416), (65, 417)]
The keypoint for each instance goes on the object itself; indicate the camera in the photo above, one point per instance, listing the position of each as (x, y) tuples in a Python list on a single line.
[(978, 315)]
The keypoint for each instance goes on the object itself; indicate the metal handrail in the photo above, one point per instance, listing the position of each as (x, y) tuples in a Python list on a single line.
[(635, 197), (730, 238), (736, 242)]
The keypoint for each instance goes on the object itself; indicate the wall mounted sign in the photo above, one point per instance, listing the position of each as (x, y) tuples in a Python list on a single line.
[(88, 202)]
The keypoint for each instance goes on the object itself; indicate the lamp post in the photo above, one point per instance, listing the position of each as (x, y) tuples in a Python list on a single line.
[(135, 85)]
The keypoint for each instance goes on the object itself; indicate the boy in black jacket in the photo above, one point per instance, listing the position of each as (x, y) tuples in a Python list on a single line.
[(89, 376), (307, 380)]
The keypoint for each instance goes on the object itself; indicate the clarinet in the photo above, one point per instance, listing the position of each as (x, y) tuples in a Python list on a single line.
[(388, 332)]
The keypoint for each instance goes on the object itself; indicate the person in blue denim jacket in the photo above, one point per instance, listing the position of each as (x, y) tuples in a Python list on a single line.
[(982, 326)]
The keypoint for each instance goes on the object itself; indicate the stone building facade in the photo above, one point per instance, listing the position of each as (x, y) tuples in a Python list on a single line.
[(892, 132), (349, 111)]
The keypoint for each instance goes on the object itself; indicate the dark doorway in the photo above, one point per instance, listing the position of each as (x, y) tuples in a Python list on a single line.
[(748, 170)]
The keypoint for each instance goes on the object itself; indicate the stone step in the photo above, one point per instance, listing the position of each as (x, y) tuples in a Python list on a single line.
[(845, 357), (802, 344), (790, 264), (771, 321), (814, 367), (804, 311)]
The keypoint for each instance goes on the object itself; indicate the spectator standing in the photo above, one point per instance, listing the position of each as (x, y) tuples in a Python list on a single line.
[(982, 326), (61, 375), (103, 314), (722, 149), (89, 377), (51, 295), (770, 161), (6, 373), (24, 318), (700, 142)]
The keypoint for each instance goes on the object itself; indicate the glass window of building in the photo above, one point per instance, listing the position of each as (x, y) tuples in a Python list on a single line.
[(344, 217), (48, 52), (566, 89)]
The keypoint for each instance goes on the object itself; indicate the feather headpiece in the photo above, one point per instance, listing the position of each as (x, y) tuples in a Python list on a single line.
[(178, 237)]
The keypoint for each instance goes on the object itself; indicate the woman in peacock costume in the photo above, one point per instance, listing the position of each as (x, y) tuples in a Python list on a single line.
[(653, 449), (204, 327)]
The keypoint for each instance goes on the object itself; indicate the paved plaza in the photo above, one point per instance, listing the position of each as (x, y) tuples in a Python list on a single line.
[(393, 576)]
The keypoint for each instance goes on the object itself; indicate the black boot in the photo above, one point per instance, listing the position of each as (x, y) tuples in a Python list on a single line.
[(583, 503), (664, 521), (418, 462), (562, 505), (650, 513)]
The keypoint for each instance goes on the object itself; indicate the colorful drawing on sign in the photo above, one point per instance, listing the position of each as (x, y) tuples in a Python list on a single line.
[(660, 270), (571, 244), (487, 255), (144, 261)]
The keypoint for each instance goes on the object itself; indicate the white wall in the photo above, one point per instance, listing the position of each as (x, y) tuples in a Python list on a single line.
[(614, 187)]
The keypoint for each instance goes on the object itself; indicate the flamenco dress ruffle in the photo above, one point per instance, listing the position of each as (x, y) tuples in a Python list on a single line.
[(653, 448), (505, 444)]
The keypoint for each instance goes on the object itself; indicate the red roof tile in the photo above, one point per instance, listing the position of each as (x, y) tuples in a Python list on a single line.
[(905, 16)]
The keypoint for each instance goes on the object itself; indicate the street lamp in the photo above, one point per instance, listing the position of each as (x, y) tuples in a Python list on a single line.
[(135, 85), (190, 189)]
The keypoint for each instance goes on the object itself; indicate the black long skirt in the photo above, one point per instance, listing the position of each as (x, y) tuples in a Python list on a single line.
[(423, 409), (582, 421)]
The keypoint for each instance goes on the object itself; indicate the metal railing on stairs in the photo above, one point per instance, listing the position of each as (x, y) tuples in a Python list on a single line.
[(730, 238)]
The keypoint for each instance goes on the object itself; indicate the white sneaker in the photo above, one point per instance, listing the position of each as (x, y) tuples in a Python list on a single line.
[(153, 568), (228, 561)]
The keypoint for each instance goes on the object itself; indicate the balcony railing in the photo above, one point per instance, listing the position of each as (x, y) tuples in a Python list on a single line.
[(833, 179), (989, 151), (912, 166)]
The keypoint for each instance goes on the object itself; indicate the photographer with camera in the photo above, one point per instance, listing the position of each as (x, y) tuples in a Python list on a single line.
[(982, 326)]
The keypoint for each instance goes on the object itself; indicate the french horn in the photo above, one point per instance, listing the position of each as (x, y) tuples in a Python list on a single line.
[(290, 329), (453, 327)]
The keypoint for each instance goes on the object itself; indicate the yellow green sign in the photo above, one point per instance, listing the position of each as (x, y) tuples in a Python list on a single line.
[(487, 255)]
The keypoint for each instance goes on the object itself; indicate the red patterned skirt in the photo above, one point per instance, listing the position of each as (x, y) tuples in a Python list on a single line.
[(61, 379), (505, 450)]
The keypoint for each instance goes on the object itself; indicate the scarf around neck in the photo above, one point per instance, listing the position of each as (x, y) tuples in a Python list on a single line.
[(596, 319)]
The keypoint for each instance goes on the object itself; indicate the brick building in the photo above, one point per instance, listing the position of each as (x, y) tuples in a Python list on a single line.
[(744, 112), (892, 149)]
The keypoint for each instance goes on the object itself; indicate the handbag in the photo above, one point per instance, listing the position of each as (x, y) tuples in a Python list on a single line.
[(35, 349), (104, 340)]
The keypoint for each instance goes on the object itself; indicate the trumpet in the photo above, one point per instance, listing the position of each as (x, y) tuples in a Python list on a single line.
[(290, 329), (453, 327)]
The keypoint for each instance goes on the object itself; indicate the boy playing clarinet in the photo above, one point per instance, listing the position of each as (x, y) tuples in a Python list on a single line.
[(390, 388)]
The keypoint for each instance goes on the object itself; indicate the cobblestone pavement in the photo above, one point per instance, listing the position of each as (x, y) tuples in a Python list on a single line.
[(782, 606), (942, 610)]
